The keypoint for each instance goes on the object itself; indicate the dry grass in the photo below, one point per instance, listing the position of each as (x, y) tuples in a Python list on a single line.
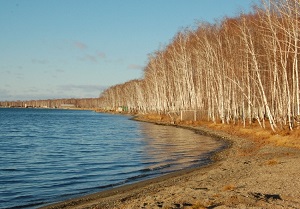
[(202, 205), (287, 138), (272, 162), (229, 187), (283, 137), (262, 136), (155, 117)]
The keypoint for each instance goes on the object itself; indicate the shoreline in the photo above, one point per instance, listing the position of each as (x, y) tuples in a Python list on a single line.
[(244, 174)]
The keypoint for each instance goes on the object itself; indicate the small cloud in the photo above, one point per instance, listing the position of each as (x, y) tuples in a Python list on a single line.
[(101, 55), (115, 61), (82, 91), (19, 76), (60, 71), (94, 57), (5, 94), (80, 45), (7, 72), (85, 88), (38, 61), (55, 73), (90, 58), (33, 90), (135, 67)]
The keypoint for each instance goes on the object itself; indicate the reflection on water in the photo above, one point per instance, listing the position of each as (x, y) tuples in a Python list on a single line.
[(174, 148), (53, 155)]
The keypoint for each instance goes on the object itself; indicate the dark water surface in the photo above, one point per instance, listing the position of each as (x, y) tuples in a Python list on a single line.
[(49, 155)]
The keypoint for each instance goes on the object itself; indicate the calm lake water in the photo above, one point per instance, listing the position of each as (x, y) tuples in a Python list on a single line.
[(51, 155)]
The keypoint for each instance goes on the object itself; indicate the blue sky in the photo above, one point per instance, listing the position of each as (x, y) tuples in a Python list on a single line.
[(76, 48)]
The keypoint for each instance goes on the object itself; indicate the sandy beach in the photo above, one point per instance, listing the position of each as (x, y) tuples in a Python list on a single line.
[(248, 174)]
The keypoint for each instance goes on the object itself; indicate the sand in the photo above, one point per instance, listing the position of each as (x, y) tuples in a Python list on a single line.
[(249, 174)]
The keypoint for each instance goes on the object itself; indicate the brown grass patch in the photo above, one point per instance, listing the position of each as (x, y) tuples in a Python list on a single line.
[(199, 206), (254, 132), (271, 162), (287, 138), (229, 187), (202, 205), (259, 135)]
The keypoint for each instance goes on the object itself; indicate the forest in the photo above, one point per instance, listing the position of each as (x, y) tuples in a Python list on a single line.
[(238, 70), (90, 103)]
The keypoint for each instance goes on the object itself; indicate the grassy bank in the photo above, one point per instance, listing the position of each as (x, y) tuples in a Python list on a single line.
[(284, 137)]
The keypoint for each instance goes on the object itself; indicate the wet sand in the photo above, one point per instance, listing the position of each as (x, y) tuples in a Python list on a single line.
[(249, 174)]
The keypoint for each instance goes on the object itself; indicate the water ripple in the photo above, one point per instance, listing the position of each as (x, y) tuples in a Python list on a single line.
[(52, 155)]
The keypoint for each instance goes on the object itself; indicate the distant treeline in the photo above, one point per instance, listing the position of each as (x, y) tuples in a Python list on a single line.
[(238, 70), (55, 103)]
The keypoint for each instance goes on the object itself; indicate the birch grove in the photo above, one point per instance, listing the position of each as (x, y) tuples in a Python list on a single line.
[(239, 70)]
